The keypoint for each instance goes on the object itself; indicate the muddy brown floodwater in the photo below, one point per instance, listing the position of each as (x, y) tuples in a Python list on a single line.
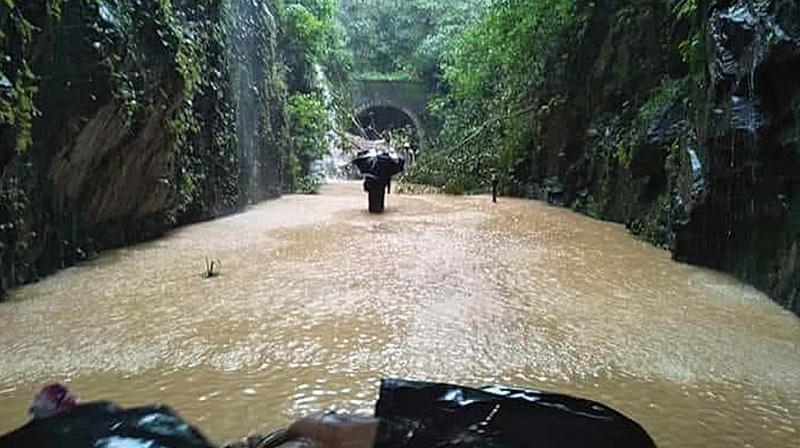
[(317, 300)]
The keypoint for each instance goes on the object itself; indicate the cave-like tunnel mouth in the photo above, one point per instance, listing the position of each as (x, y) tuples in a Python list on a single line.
[(386, 122)]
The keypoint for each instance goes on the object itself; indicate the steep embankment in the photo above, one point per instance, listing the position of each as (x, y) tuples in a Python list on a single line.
[(120, 119), (686, 130)]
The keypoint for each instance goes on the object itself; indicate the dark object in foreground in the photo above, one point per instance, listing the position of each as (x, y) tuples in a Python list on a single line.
[(378, 167), (410, 415), (104, 425), (53, 399), (422, 415)]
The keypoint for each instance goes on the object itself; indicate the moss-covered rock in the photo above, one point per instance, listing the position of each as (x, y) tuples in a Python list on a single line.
[(120, 119), (743, 222), (682, 123)]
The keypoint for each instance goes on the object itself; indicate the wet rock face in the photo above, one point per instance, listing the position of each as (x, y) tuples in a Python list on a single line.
[(112, 174), (130, 117), (688, 134), (745, 224)]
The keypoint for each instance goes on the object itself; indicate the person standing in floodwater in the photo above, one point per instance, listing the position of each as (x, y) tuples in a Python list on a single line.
[(494, 188), (378, 169), (376, 189)]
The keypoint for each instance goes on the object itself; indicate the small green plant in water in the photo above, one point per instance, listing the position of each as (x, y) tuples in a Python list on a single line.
[(212, 268)]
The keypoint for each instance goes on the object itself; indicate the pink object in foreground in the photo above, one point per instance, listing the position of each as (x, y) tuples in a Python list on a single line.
[(53, 399)]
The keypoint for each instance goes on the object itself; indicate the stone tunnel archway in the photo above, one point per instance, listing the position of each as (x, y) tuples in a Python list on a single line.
[(393, 104)]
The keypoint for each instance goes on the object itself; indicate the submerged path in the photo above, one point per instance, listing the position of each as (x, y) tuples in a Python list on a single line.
[(317, 300)]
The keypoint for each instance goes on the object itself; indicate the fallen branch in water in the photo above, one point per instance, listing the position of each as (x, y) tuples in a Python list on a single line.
[(479, 130)]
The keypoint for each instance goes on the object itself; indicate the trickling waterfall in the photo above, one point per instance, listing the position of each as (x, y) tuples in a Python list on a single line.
[(252, 52), (334, 165), (242, 53)]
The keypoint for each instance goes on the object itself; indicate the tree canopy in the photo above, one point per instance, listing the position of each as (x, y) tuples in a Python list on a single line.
[(405, 37)]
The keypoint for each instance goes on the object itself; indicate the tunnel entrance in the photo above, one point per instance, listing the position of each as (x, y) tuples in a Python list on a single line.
[(398, 128)]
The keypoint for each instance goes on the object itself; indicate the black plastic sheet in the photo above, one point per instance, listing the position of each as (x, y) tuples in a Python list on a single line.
[(427, 415), (380, 164), (104, 425), (412, 415)]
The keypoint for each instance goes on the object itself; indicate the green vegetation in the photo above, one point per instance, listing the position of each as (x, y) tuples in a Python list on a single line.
[(17, 81), (406, 37), (317, 61), (493, 71), (213, 103), (314, 37), (505, 77), (309, 125)]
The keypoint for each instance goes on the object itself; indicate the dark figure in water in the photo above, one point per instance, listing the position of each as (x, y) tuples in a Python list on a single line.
[(494, 187), (378, 167), (376, 188)]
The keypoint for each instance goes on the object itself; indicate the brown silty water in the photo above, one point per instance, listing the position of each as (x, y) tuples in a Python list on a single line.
[(317, 300)]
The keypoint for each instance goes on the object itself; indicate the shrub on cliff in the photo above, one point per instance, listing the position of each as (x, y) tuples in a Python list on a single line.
[(309, 125)]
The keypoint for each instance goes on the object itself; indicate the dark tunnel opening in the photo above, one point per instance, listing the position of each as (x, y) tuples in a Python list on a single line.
[(388, 123)]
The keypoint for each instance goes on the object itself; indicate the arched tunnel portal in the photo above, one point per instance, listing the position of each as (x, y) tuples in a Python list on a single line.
[(376, 120)]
